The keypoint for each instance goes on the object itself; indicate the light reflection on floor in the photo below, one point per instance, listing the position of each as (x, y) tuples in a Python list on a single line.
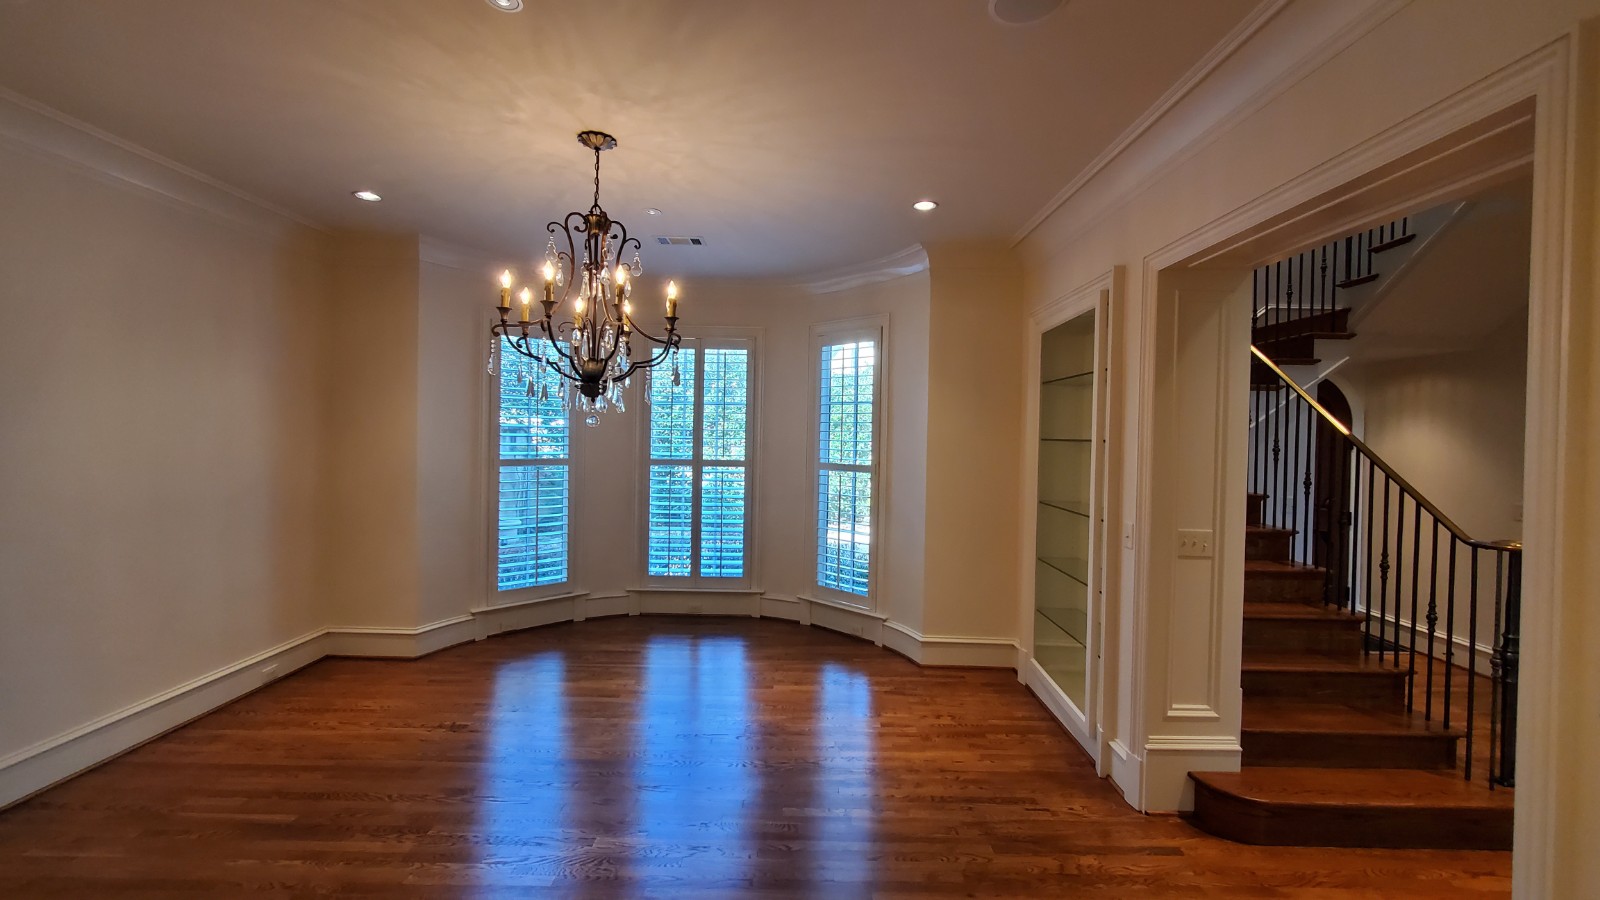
[(845, 784), (677, 795), (692, 773), (526, 778)]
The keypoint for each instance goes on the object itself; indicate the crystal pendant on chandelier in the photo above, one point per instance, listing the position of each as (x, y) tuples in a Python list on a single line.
[(591, 345)]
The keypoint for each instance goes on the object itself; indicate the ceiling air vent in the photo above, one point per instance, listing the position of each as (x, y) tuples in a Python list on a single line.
[(680, 241)]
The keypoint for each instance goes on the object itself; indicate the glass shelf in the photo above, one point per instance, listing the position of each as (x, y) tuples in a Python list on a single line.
[(1064, 526), (1076, 507), (1072, 567), (1081, 379)]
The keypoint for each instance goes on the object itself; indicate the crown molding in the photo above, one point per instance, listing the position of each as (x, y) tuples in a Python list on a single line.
[(49, 133), (1222, 52), (899, 264), (1198, 110)]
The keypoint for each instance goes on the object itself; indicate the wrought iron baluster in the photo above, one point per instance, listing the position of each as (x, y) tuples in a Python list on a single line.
[(1510, 666)]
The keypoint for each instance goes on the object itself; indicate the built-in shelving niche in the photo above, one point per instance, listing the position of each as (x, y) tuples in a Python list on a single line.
[(1067, 517)]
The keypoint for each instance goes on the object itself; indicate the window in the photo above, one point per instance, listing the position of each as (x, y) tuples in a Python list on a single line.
[(847, 369), (535, 457), (697, 525)]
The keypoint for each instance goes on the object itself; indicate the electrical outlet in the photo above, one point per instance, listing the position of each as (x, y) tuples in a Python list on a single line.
[(1194, 543)]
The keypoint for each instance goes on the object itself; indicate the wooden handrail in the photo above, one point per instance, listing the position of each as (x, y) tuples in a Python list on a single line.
[(1396, 477)]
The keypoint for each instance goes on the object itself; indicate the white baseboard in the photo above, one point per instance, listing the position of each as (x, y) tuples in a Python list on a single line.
[(950, 650), (1126, 772), (400, 643), (671, 602), (1168, 760), (793, 609), (32, 769)]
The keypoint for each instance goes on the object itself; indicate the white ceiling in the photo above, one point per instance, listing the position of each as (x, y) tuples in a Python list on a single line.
[(793, 136)]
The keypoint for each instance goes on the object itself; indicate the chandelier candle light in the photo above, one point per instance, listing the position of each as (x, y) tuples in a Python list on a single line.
[(592, 349)]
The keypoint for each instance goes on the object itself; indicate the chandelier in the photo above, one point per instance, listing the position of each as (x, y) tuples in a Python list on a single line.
[(591, 345)]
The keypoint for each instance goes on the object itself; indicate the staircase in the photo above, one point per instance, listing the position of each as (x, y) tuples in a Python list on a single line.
[(1363, 724), (1331, 756)]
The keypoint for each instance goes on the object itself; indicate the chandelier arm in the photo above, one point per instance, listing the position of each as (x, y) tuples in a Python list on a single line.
[(566, 228), (669, 339), (649, 363), (562, 352)]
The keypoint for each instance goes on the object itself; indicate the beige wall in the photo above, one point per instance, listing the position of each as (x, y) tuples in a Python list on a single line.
[(452, 360), (1452, 425), (159, 378), (369, 547), (975, 396)]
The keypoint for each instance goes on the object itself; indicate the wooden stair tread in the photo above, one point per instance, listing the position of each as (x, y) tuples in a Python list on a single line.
[(1271, 567), (1300, 612), (1392, 243), (1268, 529), (1361, 788), (1281, 714), (1268, 661)]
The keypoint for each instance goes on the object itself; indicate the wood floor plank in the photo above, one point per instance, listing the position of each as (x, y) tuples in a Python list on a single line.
[(650, 757)]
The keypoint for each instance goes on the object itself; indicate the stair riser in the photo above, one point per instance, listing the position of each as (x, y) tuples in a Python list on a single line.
[(1270, 546), (1376, 689), (1335, 639), (1337, 750), (1389, 826), (1284, 588), (1254, 504), (1336, 321)]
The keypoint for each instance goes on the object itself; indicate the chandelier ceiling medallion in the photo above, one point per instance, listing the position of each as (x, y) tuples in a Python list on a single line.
[(591, 346)]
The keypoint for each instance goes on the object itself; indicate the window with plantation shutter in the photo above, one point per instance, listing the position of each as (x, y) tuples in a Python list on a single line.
[(847, 427), (534, 476), (698, 466)]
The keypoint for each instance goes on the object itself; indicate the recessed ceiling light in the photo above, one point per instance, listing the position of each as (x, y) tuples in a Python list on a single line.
[(924, 206), (506, 5), (652, 211), (368, 196), (1023, 12)]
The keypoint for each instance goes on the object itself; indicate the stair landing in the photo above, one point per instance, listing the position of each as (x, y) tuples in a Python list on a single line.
[(1326, 807)]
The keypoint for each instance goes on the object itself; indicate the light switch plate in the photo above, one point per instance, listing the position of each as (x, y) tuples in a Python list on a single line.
[(1194, 543)]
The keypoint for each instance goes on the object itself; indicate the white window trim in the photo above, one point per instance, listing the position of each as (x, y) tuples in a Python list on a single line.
[(874, 328), (706, 337), (492, 594)]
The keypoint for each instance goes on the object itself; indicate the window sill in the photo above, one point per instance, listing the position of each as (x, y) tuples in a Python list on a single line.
[(847, 607), (529, 601), (695, 590)]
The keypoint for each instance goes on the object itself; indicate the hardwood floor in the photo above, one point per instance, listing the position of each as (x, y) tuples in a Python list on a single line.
[(650, 758)]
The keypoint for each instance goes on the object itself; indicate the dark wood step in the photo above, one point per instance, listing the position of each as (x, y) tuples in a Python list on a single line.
[(1289, 731), (1388, 245), (1254, 504), (1357, 681), (1299, 346), (1282, 361), (1302, 628), (1357, 282), (1267, 582), (1333, 321), (1322, 807), (1269, 544)]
